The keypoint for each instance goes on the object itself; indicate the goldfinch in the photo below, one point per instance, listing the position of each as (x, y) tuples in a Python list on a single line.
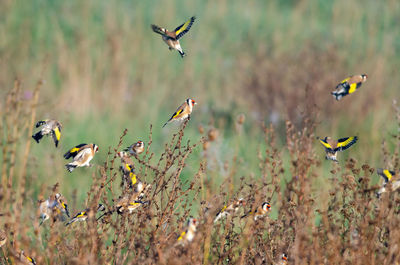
[(82, 216), (171, 38), (387, 176), (284, 260), (183, 112), (349, 85), (230, 209), (187, 236), (332, 147), (26, 259), (125, 204), (3, 238), (49, 127), (136, 148), (261, 211), (54, 206), (128, 172), (82, 154)]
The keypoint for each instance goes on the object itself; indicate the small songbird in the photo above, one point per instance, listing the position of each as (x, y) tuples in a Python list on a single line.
[(387, 176), (183, 112), (82, 154), (136, 148), (26, 259), (49, 127), (261, 211), (332, 147), (187, 236), (82, 216), (230, 209), (284, 260), (349, 85), (54, 206), (125, 204), (128, 172), (3, 238), (171, 38)]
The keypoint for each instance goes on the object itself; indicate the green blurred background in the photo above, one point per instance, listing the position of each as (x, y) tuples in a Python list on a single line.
[(105, 70)]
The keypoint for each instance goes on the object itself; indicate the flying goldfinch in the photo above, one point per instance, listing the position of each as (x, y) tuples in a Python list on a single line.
[(26, 259), (183, 112), (332, 147), (187, 236), (349, 85), (82, 216), (49, 127), (387, 176), (171, 38), (82, 154), (230, 209), (3, 238), (54, 206), (136, 148), (261, 211)]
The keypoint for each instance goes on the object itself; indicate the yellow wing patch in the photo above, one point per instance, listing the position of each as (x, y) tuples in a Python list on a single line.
[(181, 236), (387, 174), (184, 28), (328, 146), (177, 113), (57, 133), (73, 150), (133, 178), (346, 143), (353, 88), (345, 80)]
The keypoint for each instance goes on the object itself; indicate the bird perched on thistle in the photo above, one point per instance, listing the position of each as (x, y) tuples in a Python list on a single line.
[(26, 259), (349, 86), (183, 112), (82, 155), (332, 147), (187, 236), (82, 216), (387, 176), (54, 206), (171, 38), (260, 212), (128, 173), (230, 209), (49, 127), (136, 148)]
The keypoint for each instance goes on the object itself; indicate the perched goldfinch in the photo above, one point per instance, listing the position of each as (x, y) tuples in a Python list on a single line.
[(3, 238), (332, 147), (51, 127), (128, 172), (187, 236), (284, 260), (183, 112), (125, 204), (54, 206), (26, 259), (82, 154), (230, 209), (387, 176), (82, 216), (261, 211), (171, 38), (136, 148), (349, 85)]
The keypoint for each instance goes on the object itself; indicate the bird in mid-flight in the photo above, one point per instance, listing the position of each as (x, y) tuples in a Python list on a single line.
[(49, 127), (332, 147), (349, 85)]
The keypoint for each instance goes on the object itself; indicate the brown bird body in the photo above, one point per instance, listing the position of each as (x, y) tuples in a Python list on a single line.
[(54, 206), (230, 209), (49, 127), (261, 211), (136, 148), (187, 236), (171, 38), (349, 85), (82, 155), (183, 112)]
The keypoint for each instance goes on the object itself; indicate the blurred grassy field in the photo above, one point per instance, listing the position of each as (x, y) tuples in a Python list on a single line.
[(105, 70)]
